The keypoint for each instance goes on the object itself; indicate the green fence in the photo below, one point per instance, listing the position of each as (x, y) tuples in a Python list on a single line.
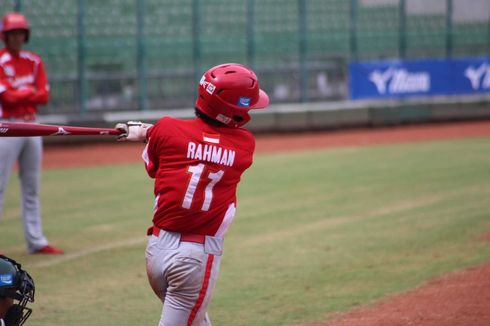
[(117, 55)]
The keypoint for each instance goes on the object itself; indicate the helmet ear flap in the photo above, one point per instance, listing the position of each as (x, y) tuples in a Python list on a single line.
[(238, 118)]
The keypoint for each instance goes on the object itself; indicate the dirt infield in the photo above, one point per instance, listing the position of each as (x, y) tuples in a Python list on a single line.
[(458, 299)]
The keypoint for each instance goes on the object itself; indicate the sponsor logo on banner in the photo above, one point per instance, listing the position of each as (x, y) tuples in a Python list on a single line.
[(479, 76), (400, 81), (426, 77)]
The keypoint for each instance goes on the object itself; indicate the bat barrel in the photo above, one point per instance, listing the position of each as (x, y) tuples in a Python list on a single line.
[(16, 129)]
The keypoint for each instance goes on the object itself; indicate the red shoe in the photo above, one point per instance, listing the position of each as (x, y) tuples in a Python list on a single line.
[(50, 250)]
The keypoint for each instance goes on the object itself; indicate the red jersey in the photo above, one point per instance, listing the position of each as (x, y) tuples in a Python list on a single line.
[(23, 84), (197, 168)]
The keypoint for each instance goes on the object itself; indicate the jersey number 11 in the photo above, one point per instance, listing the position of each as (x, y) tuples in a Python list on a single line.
[(196, 172)]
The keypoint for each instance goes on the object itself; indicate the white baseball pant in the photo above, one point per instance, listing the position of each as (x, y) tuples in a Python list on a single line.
[(27, 151), (183, 275)]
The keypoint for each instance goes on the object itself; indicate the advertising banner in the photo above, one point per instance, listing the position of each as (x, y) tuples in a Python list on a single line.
[(406, 78)]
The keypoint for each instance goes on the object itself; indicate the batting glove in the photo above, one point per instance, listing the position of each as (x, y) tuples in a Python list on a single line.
[(133, 131)]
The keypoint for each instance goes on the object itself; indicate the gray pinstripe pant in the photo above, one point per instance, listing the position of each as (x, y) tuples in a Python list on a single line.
[(27, 151)]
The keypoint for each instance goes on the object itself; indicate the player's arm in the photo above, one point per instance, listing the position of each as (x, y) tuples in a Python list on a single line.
[(142, 132), (41, 91), (16, 97), (150, 153), (12, 96)]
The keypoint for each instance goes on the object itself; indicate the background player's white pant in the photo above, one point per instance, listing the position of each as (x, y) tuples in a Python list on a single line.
[(183, 275), (28, 152)]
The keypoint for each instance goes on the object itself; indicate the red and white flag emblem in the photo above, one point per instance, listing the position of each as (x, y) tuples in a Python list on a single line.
[(210, 138)]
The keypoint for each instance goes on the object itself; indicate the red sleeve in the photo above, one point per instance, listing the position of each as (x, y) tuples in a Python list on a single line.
[(11, 96), (252, 142), (150, 154), (17, 96), (41, 96)]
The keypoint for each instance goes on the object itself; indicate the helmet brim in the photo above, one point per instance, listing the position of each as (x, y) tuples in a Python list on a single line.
[(263, 101)]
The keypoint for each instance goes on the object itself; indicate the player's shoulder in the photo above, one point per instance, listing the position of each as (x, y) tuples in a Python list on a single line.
[(166, 126), (245, 133), (4, 56), (241, 137), (31, 56), (168, 122)]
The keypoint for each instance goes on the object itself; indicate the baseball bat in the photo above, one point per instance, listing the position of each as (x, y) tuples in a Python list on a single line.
[(21, 129)]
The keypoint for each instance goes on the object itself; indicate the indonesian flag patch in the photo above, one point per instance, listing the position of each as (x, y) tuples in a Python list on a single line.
[(210, 138)]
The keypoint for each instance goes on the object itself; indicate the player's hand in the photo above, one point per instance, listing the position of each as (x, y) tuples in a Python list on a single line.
[(123, 128), (133, 131)]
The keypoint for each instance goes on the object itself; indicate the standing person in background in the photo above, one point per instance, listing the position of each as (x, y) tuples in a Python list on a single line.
[(197, 165), (23, 86)]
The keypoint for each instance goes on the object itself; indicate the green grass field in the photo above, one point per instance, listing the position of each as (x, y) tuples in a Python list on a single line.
[(316, 232)]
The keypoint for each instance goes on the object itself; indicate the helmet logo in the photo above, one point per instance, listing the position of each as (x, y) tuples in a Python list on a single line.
[(244, 101), (6, 279), (209, 87), (223, 118)]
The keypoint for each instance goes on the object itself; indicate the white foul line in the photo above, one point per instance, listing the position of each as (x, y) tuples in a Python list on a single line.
[(72, 256)]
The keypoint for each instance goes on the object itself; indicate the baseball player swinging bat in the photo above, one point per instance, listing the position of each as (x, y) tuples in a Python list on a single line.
[(13, 129)]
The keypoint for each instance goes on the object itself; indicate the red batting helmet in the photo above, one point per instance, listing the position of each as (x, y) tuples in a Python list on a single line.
[(228, 91), (13, 21)]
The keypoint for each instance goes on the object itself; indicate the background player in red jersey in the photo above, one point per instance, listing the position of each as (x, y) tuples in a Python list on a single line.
[(197, 165), (23, 86)]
